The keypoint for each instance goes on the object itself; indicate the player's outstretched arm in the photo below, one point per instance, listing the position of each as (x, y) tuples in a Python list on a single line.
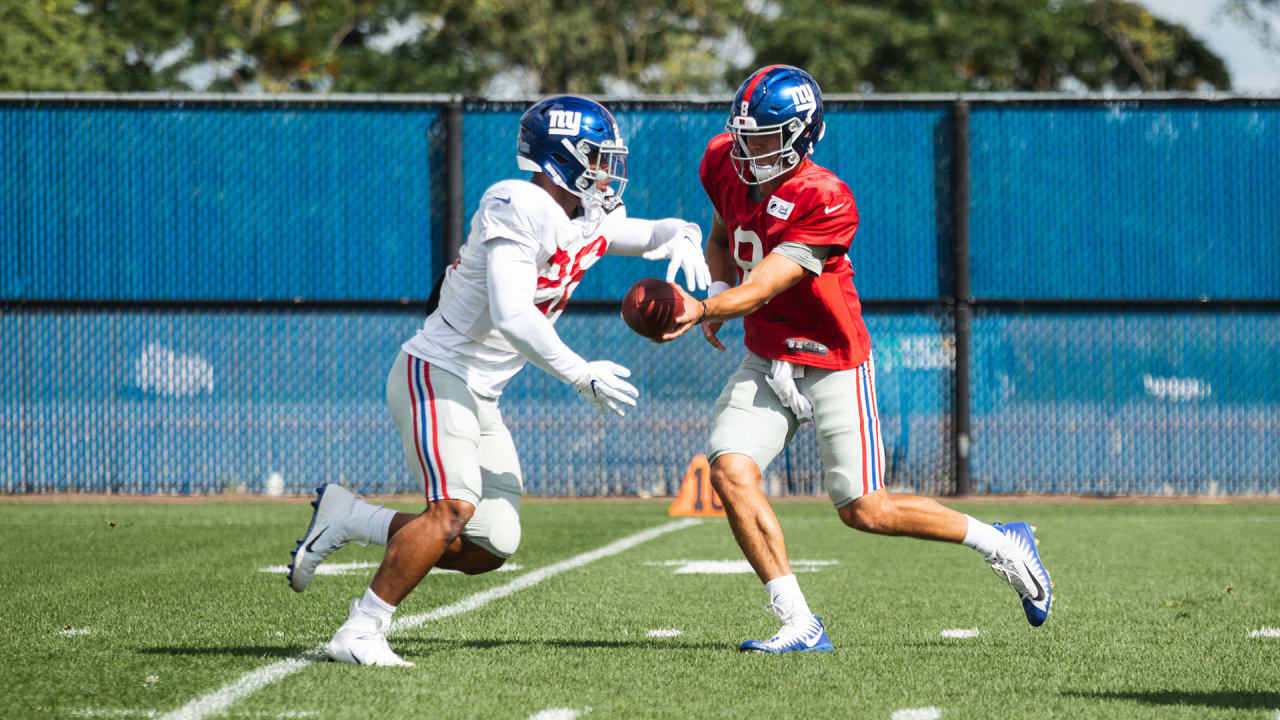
[(513, 277), (669, 238), (771, 276)]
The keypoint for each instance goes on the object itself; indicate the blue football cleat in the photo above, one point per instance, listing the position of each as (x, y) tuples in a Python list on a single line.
[(802, 636), (1018, 563)]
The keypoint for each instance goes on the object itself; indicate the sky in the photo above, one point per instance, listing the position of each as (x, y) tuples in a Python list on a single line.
[(1254, 69)]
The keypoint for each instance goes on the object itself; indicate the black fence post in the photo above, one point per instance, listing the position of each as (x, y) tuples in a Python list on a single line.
[(961, 293), (453, 182)]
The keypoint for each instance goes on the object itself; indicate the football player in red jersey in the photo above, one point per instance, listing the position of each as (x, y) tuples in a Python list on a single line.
[(778, 251)]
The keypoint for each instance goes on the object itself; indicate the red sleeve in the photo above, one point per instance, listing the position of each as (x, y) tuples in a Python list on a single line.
[(829, 223), (710, 169)]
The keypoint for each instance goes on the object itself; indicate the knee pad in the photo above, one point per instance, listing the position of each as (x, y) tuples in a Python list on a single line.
[(840, 488), (495, 527)]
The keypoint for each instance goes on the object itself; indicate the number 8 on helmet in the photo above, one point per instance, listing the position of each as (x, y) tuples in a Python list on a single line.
[(776, 101)]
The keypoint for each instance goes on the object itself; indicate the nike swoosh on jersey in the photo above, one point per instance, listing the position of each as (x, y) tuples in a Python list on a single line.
[(828, 209)]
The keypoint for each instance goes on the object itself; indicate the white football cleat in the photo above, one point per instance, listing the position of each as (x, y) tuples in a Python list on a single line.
[(362, 640), (805, 634), (1018, 563), (326, 533)]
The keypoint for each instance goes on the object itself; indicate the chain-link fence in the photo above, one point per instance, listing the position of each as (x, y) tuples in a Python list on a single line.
[(254, 258)]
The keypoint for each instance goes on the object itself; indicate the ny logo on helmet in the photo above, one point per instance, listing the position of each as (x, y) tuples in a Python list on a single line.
[(564, 122), (802, 96)]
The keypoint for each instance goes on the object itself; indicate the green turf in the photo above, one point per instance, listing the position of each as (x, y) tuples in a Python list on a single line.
[(1152, 613)]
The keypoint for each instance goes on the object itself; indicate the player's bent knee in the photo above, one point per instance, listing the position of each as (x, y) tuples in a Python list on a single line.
[(732, 472), (451, 515), (867, 514)]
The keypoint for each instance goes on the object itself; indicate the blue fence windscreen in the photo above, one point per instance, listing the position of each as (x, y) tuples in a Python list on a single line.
[(183, 401), (182, 203), (1124, 201), (892, 160), (1145, 403), (206, 202)]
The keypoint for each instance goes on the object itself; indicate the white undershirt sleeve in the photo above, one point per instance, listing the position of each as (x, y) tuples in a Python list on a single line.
[(633, 236), (513, 277)]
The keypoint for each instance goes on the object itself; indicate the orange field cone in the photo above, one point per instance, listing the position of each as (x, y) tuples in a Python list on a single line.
[(697, 497)]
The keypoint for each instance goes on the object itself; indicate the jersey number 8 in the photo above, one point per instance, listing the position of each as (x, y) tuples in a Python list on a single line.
[(747, 250)]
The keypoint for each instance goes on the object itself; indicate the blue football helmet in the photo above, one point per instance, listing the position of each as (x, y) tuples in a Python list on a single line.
[(576, 142), (776, 101)]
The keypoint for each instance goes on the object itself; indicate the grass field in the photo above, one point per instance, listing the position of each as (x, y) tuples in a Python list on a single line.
[(161, 610)]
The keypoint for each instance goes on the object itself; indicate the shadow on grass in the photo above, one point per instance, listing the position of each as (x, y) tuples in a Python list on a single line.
[(418, 646), (1231, 699), (262, 651), (429, 644)]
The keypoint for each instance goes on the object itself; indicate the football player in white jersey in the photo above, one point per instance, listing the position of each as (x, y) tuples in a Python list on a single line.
[(529, 245)]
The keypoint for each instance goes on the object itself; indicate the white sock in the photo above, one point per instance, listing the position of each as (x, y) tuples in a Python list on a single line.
[(982, 537), (375, 606), (379, 524), (367, 524), (784, 593)]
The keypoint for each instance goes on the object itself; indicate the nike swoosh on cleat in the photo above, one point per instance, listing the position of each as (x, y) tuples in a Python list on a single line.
[(1040, 595), (810, 642), (317, 537)]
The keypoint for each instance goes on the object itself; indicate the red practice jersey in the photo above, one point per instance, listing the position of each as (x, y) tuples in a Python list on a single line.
[(817, 321)]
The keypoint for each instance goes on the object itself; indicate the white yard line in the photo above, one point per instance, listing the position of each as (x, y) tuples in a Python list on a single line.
[(922, 713), (960, 633), (353, 568), (1264, 631), (224, 697), (126, 712), (559, 714), (733, 567)]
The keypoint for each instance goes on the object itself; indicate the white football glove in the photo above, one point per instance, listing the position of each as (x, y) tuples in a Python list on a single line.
[(601, 383), (783, 382), (685, 251)]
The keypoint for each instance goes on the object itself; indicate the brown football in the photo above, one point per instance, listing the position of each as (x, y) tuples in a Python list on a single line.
[(651, 307)]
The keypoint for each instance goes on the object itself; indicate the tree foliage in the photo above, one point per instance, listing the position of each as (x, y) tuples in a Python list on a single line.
[(595, 46), (49, 45), (541, 46), (1001, 45)]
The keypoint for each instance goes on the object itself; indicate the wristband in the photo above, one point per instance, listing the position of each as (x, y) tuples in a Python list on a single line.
[(704, 312), (716, 288)]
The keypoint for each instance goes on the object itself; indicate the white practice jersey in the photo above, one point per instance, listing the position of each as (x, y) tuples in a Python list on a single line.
[(459, 336)]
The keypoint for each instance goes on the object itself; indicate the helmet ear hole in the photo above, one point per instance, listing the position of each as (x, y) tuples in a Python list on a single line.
[(560, 159)]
